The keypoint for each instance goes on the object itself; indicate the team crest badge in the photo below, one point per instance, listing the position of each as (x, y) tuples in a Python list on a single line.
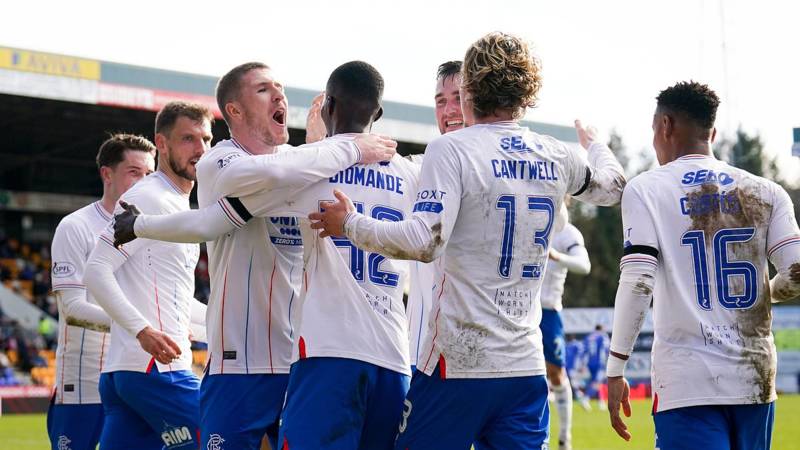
[(63, 443), (215, 442)]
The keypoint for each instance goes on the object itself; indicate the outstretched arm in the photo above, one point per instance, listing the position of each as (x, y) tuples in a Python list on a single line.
[(192, 226), (599, 178), (300, 167), (424, 235)]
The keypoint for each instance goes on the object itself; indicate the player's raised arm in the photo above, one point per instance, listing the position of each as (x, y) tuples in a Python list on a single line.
[(298, 168), (422, 237), (598, 178), (783, 250), (637, 279)]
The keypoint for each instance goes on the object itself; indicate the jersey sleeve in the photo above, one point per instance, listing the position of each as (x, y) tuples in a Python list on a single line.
[(639, 232), (68, 254), (193, 226), (638, 268), (297, 168), (104, 260), (424, 236), (783, 248), (575, 256), (596, 175)]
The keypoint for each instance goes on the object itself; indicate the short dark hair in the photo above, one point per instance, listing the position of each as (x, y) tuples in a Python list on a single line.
[(448, 69), (112, 151), (696, 101), (229, 85), (360, 85), (169, 114)]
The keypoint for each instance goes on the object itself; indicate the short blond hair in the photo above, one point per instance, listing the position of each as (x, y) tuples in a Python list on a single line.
[(501, 72)]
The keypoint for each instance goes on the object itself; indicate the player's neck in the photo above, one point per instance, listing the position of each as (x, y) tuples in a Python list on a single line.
[(694, 148), (109, 201), (181, 183), (349, 128), (498, 116), (252, 144)]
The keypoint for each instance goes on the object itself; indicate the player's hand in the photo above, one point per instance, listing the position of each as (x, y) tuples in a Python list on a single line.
[(315, 127), (554, 255), (587, 135), (158, 344), (123, 224), (618, 395), (375, 148), (331, 219)]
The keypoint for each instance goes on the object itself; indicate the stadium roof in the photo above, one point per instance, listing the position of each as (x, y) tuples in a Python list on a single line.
[(67, 78)]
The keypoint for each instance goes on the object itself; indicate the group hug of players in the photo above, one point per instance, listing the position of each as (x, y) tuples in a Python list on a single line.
[(310, 343)]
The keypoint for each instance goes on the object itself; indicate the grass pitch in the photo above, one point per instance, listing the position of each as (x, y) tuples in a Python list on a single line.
[(590, 431)]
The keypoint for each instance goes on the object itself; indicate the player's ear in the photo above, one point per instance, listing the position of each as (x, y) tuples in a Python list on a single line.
[(668, 125), (378, 114), (713, 135), (105, 174), (329, 105), (233, 110), (160, 141)]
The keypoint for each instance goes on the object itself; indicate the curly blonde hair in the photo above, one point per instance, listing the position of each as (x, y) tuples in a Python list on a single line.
[(501, 72)]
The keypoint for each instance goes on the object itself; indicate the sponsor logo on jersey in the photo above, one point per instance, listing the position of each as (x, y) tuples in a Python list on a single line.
[(225, 160), (176, 436), (63, 443), (706, 176), (63, 269), (516, 144), (288, 229), (215, 442)]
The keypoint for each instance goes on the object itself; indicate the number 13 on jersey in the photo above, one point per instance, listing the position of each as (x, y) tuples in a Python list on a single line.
[(508, 204)]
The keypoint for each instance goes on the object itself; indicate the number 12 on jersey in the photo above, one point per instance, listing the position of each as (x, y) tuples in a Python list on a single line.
[(508, 204), (374, 260)]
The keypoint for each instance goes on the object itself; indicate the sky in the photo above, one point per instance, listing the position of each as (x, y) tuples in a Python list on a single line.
[(603, 62)]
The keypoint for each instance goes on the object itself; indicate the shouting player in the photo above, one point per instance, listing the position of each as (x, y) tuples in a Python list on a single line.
[(352, 351), (257, 268), (698, 234), (489, 195)]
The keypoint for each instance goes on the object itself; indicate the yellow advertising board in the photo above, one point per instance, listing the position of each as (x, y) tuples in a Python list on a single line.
[(48, 63)]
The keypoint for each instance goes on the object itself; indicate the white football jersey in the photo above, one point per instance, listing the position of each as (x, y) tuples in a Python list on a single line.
[(556, 274), (424, 278), (351, 304), (156, 277), (491, 192), (80, 353), (256, 271), (712, 228)]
